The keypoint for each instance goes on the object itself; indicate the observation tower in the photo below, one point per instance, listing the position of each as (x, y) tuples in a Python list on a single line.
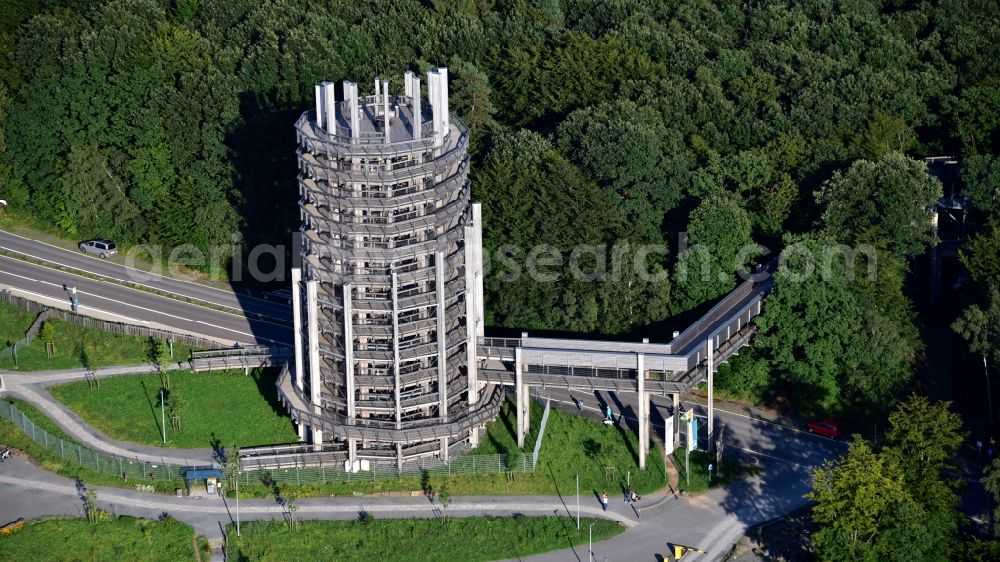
[(388, 301)]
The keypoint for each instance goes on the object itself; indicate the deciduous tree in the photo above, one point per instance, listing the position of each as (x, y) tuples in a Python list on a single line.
[(888, 200)]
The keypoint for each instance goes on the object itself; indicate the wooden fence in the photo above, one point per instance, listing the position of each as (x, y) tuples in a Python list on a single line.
[(95, 324)]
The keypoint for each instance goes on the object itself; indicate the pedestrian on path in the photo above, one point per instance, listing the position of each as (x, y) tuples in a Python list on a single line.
[(604, 500)]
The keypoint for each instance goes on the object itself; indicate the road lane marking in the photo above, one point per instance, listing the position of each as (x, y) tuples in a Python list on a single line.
[(751, 451), (108, 312), (239, 332), (781, 425), (95, 295), (163, 277), (58, 285), (772, 457), (147, 293)]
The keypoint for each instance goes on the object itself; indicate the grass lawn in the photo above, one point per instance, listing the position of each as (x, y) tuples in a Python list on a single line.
[(603, 456), (731, 471), (223, 408), (75, 346), (11, 435), (14, 322), (467, 539), (111, 539)]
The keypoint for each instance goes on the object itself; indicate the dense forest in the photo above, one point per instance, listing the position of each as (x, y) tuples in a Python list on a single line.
[(595, 122)]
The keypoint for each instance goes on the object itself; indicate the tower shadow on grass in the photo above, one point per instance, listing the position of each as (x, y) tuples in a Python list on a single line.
[(624, 425), (267, 384)]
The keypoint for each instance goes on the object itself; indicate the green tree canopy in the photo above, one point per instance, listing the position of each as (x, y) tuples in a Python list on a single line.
[(719, 243), (629, 150), (863, 508), (981, 327), (981, 255), (886, 201), (823, 335)]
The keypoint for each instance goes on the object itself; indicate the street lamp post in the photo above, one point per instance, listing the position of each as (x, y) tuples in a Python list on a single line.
[(578, 501), (163, 418), (590, 545), (237, 504)]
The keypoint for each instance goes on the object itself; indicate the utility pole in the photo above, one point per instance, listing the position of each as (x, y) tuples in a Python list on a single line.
[(237, 504), (577, 501), (163, 418), (687, 466), (590, 545)]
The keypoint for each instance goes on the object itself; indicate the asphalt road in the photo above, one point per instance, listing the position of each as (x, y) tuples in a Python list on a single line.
[(95, 265), (741, 433), (138, 307), (713, 521)]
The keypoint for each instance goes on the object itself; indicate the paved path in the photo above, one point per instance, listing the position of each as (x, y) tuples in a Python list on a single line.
[(30, 492), (712, 521), (31, 388)]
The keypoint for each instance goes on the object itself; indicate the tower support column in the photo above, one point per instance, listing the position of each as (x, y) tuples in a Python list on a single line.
[(300, 368), (315, 380), (519, 395), (710, 361), (677, 417), (643, 400)]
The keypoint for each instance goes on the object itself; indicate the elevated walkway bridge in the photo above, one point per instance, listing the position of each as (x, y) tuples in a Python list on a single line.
[(589, 365)]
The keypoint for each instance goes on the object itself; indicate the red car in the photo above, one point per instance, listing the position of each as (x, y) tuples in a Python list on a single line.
[(826, 428)]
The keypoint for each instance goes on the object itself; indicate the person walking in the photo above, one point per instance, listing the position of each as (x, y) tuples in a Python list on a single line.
[(604, 500)]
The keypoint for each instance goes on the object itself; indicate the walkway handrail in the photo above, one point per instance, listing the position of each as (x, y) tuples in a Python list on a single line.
[(353, 428)]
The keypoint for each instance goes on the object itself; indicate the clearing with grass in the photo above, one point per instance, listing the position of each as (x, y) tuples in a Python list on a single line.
[(467, 539), (217, 408), (108, 539)]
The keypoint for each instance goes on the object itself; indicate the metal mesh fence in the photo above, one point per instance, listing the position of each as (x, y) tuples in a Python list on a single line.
[(89, 458), (459, 466), (334, 473)]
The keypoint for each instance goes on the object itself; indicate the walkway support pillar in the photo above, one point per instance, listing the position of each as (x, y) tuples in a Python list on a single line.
[(315, 384), (300, 368), (677, 417), (643, 400), (519, 397), (710, 359)]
